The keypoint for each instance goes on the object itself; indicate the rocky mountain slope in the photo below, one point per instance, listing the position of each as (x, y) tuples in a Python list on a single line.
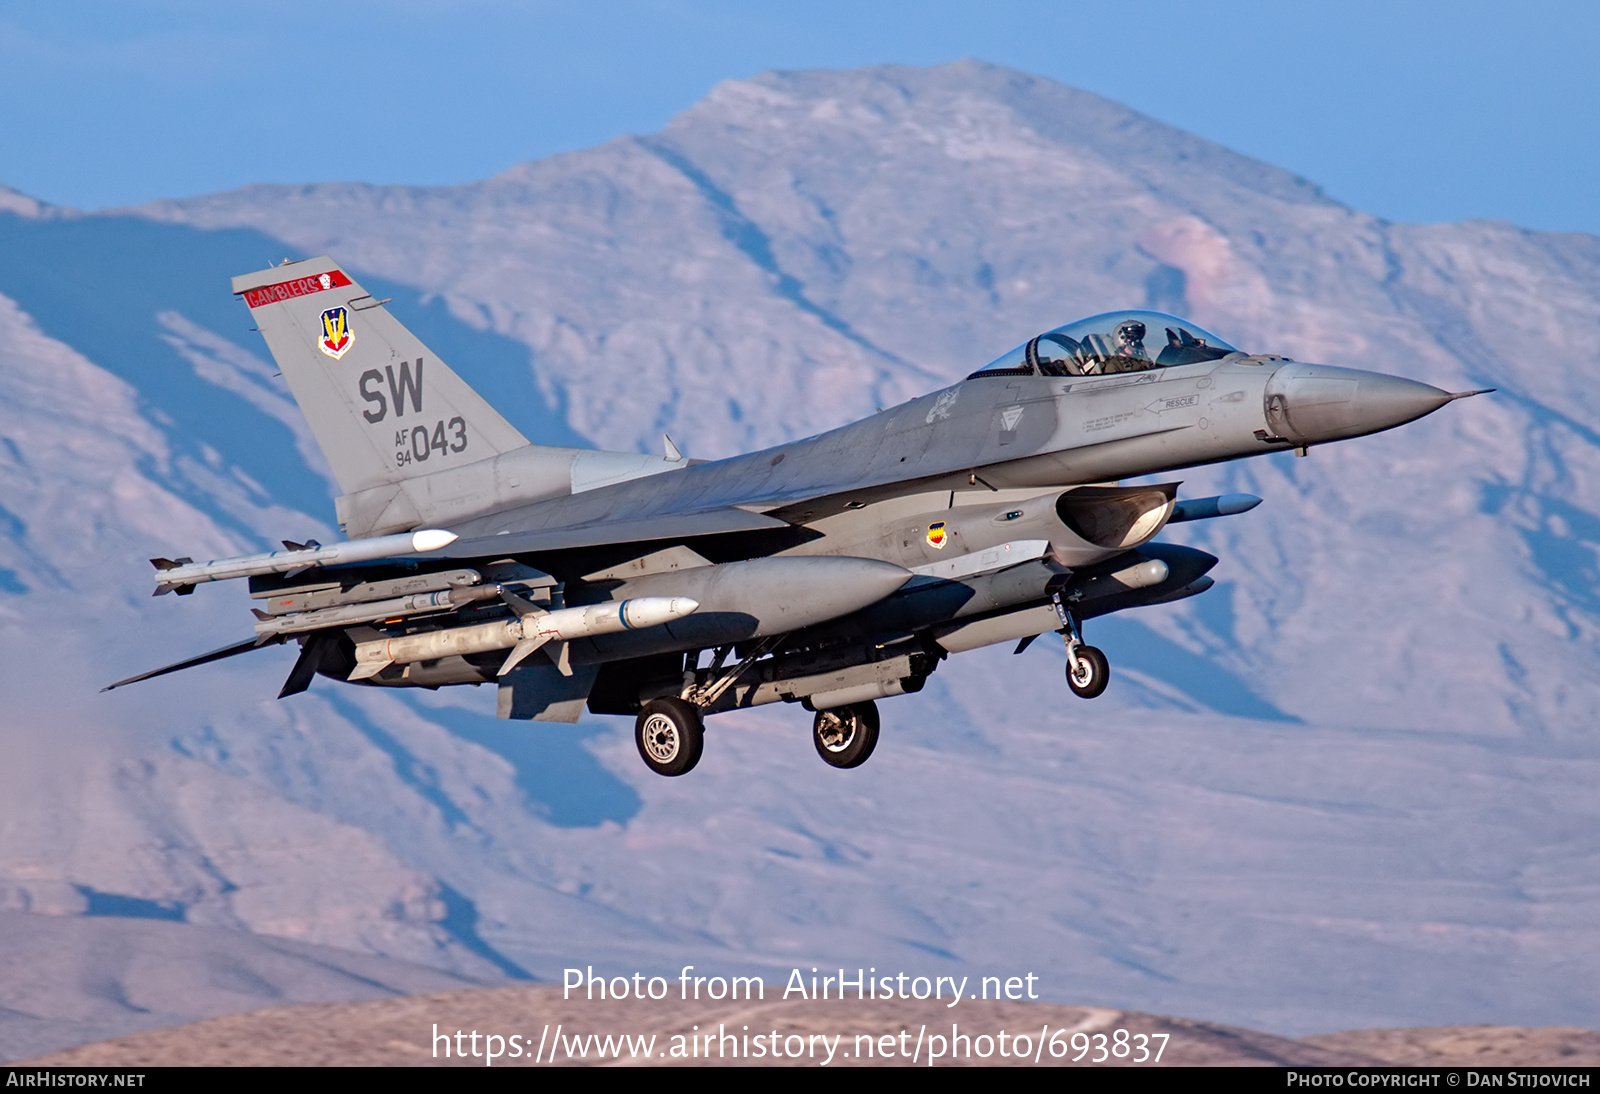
[(1350, 786)]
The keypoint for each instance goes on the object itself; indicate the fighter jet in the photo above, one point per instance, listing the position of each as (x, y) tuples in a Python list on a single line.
[(831, 572)]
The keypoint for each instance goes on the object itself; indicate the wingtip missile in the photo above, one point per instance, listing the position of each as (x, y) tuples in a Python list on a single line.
[(183, 574), (431, 539)]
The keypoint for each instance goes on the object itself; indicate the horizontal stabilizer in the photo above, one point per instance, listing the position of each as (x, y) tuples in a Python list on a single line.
[(205, 658)]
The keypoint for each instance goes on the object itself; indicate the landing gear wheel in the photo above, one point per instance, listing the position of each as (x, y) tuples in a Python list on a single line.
[(1088, 673), (670, 734), (846, 736)]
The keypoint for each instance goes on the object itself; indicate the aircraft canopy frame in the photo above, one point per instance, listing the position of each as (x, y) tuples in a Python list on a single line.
[(1112, 342)]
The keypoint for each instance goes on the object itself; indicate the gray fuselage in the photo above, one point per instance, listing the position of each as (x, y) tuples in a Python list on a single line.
[(1007, 432)]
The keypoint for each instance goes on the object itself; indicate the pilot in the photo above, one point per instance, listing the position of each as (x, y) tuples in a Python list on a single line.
[(1130, 340)]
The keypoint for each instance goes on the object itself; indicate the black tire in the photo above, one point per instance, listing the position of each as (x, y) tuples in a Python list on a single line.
[(671, 735), (1090, 674), (846, 736)]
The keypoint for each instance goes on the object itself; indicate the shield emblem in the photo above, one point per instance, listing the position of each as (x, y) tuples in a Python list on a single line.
[(337, 337), (936, 535)]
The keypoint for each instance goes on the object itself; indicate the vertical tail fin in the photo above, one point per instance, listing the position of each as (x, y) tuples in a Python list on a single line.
[(381, 405)]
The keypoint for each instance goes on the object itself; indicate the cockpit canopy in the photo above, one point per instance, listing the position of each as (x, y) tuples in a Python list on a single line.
[(1119, 341)]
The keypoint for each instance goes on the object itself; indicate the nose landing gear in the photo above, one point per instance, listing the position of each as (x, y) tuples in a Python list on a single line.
[(1088, 671)]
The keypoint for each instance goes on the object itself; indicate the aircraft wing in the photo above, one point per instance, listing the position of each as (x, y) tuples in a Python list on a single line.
[(602, 532)]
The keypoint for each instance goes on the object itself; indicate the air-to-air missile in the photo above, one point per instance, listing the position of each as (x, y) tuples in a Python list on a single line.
[(369, 611), (532, 629), (183, 574), (830, 572)]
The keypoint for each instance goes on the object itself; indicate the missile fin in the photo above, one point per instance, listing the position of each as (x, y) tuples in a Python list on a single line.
[(520, 651), (563, 658), (522, 606), (169, 564), (368, 669)]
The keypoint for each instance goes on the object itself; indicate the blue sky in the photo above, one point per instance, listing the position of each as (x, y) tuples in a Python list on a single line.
[(1416, 111)]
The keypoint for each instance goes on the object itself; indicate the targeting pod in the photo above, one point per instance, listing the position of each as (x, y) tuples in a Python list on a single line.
[(1224, 505)]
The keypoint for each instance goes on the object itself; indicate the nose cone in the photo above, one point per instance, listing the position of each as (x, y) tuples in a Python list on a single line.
[(648, 611), (1310, 404)]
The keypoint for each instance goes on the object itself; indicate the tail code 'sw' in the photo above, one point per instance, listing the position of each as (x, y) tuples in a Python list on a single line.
[(406, 383)]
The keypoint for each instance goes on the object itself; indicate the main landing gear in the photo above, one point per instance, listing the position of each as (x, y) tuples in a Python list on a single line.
[(846, 736), (670, 734), (670, 731), (1088, 671)]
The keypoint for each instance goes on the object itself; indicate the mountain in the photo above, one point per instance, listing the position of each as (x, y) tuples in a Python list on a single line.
[(1351, 786)]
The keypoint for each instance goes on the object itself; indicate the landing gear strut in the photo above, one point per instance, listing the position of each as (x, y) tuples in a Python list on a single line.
[(670, 735), (1088, 671), (670, 731), (846, 736)]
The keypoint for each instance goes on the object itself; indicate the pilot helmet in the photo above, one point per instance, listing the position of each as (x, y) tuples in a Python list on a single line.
[(1130, 333)]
